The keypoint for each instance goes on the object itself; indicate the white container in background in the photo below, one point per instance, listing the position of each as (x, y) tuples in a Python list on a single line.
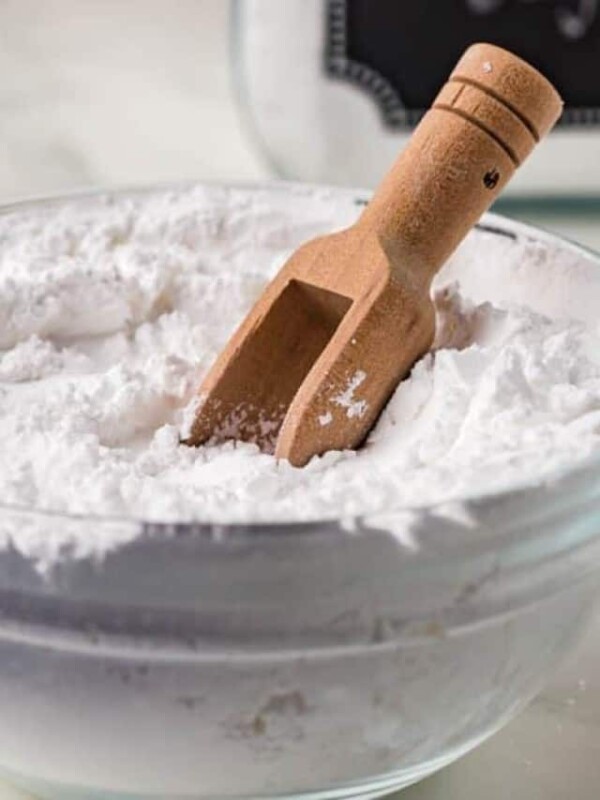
[(332, 88)]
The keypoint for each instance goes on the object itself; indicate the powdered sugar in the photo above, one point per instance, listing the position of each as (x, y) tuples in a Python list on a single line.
[(325, 419), (348, 399), (111, 310)]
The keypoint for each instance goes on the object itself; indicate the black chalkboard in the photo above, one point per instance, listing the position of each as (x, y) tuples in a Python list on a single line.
[(401, 51)]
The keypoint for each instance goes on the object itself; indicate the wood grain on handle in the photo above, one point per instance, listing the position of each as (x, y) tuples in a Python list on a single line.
[(484, 123)]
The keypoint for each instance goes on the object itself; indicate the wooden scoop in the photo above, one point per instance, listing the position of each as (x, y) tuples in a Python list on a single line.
[(313, 364)]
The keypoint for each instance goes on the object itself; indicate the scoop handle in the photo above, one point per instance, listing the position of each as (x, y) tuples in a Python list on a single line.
[(484, 123)]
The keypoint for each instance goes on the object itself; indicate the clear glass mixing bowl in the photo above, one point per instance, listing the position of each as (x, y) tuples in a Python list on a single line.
[(325, 660)]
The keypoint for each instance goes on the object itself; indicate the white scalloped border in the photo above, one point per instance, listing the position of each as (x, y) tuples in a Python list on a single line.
[(395, 114)]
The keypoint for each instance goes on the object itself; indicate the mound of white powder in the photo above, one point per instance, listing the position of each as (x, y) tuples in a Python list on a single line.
[(112, 309)]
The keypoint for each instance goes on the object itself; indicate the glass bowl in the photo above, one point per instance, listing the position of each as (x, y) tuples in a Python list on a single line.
[(331, 659)]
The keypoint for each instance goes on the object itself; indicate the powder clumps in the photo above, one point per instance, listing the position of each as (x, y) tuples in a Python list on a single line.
[(348, 400), (112, 309)]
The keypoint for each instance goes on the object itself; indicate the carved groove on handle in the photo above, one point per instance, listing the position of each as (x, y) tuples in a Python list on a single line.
[(474, 121), (491, 93)]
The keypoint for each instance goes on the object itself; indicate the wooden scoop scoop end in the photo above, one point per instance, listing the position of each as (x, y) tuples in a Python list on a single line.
[(313, 364)]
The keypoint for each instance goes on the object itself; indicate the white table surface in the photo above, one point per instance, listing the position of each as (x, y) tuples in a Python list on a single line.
[(81, 106)]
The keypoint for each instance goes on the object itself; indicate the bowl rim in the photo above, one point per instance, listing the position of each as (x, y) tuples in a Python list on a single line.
[(148, 531)]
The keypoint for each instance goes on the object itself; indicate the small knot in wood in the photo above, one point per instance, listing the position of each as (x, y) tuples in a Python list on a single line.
[(491, 178)]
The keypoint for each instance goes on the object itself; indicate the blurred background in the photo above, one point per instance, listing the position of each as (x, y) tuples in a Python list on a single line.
[(105, 93)]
